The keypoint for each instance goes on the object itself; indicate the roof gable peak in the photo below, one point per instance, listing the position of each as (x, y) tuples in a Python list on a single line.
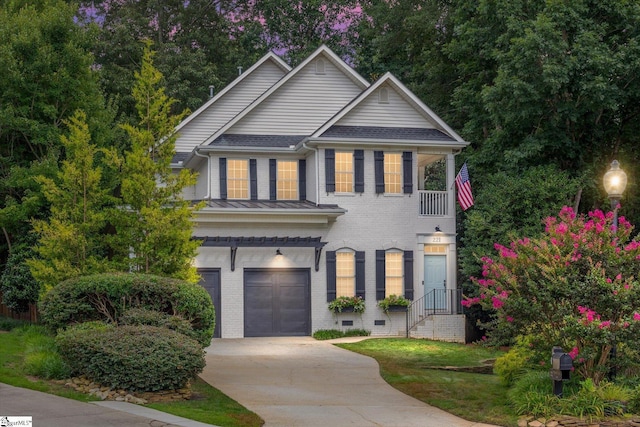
[(269, 57)]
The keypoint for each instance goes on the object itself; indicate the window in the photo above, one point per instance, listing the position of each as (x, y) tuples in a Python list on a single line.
[(392, 173), (237, 179), (345, 274), (287, 183), (344, 172), (394, 273)]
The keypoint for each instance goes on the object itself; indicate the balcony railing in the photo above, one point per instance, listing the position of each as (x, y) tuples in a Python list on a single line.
[(434, 203)]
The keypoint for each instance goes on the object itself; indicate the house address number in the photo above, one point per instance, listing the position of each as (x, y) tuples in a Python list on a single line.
[(436, 240)]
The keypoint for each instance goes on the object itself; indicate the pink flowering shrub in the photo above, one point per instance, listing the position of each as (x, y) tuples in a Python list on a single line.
[(576, 286)]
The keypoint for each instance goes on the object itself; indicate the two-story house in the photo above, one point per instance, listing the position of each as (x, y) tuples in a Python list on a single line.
[(319, 184)]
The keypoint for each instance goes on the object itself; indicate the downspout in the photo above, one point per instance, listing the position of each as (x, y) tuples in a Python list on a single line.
[(304, 144), (208, 157)]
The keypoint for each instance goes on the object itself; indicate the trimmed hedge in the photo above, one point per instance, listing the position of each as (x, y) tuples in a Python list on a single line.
[(133, 358), (142, 316), (107, 296)]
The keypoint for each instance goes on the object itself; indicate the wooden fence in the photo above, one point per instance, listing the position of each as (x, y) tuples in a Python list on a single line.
[(29, 316)]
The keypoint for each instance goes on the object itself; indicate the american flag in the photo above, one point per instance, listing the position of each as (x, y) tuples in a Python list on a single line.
[(465, 198)]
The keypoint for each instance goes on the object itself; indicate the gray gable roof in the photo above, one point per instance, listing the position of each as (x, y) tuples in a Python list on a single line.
[(233, 140), (377, 132)]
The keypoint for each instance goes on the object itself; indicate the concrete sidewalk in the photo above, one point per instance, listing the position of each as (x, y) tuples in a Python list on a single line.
[(54, 411), (300, 381)]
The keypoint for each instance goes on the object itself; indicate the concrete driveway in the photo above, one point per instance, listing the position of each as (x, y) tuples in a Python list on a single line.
[(303, 382)]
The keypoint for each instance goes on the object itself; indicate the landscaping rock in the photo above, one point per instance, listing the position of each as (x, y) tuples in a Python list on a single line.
[(566, 421), (84, 385)]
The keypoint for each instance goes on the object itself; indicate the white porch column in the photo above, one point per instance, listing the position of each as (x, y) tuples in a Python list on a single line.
[(451, 185)]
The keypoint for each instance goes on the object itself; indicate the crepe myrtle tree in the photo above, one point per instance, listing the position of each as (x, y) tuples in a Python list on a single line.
[(576, 286)]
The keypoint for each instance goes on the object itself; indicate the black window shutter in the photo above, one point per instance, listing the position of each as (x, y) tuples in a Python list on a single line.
[(407, 165), (253, 178), (378, 158), (408, 274), (302, 179), (273, 177), (331, 275), (380, 275), (358, 169), (360, 283), (223, 178), (330, 169)]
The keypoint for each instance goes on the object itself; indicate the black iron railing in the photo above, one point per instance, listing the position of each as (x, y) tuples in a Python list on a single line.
[(437, 301)]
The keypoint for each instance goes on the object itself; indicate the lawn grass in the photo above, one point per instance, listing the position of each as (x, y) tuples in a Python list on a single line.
[(208, 404), (411, 366)]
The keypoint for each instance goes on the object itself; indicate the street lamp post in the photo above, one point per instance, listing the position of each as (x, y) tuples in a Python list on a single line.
[(615, 181)]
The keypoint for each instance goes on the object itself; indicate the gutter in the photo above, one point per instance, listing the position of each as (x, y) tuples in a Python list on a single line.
[(208, 196), (304, 144)]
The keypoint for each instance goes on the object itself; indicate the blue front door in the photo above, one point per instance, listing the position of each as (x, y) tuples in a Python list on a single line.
[(435, 282)]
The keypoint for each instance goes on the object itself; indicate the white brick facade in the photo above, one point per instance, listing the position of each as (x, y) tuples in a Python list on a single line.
[(362, 221)]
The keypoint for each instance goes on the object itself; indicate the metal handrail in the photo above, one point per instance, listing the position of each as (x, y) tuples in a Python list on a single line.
[(437, 301)]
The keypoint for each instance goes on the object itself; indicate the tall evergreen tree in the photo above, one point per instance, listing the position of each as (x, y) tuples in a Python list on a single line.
[(153, 225), (70, 241)]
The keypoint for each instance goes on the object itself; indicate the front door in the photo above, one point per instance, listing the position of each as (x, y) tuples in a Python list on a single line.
[(435, 282)]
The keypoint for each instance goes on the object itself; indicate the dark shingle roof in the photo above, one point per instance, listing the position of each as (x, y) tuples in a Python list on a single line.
[(378, 132), (179, 157), (233, 140)]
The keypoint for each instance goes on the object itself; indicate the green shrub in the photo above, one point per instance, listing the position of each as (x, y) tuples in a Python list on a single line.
[(17, 285), (532, 394), (329, 334), (537, 404), (633, 406), (41, 356), (142, 316), (47, 364), (134, 358), (107, 296), (512, 364), (8, 324)]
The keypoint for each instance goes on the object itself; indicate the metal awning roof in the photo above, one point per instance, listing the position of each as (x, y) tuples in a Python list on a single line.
[(280, 242)]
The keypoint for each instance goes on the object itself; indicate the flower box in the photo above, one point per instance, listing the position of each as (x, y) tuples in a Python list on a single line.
[(397, 308), (347, 305)]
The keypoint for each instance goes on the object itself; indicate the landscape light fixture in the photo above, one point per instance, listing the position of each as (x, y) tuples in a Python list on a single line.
[(615, 181)]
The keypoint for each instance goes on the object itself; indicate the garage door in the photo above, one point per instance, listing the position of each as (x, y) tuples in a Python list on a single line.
[(277, 302), (210, 280)]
